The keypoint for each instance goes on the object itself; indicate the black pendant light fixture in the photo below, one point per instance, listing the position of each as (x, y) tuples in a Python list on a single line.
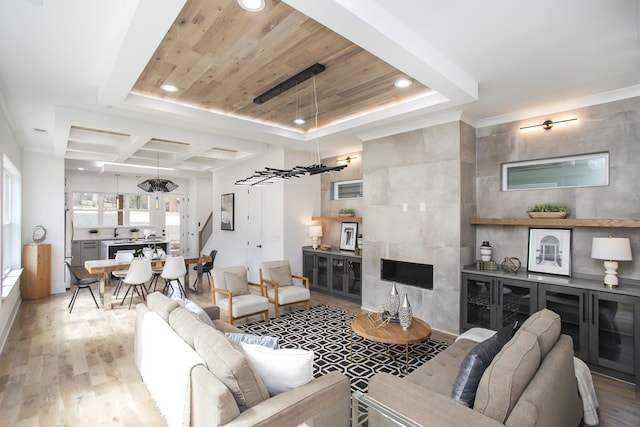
[(158, 185)]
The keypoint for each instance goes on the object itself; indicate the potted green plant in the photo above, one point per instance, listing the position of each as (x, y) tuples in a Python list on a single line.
[(345, 213), (548, 210)]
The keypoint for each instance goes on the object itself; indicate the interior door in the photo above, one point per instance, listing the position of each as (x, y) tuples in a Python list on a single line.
[(255, 238), (174, 222)]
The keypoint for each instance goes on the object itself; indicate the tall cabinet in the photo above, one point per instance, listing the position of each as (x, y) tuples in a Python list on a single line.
[(36, 275), (603, 323)]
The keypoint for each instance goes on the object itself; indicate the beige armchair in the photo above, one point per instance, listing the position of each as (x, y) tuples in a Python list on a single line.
[(281, 289), (234, 289)]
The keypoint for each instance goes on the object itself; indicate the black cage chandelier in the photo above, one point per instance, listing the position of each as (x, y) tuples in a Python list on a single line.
[(158, 185), (270, 175)]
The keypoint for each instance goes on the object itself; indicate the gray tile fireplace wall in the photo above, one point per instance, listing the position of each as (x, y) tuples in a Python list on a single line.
[(432, 172)]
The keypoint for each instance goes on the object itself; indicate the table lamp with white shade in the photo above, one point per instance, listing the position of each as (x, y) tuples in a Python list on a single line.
[(315, 231), (611, 250)]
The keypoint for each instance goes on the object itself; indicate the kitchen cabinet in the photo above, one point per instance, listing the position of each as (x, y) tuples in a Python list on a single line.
[(333, 272), (603, 323), (76, 253), (83, 250)]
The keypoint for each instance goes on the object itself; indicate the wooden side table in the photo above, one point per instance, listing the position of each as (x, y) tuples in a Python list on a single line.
[(36, 276)]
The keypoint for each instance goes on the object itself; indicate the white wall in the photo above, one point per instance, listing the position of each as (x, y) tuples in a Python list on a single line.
[(43, 204), (282, 210)]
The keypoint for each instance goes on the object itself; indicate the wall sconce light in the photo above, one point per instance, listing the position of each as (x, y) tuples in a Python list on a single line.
[(611, 250), (548, 124), (315, 231), (347, 160)]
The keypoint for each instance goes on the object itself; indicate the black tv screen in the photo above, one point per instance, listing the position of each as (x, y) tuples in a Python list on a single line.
[(408, 273)]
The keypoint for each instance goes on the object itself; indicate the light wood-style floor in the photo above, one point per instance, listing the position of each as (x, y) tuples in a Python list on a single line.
[(61, 369)]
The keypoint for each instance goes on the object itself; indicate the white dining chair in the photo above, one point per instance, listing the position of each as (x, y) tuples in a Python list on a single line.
[(139, 273), (174, 269), (121, 256)]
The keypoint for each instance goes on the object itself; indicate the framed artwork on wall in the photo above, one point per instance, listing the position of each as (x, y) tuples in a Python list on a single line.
[(226, 212), (348, 236), (549, 251)]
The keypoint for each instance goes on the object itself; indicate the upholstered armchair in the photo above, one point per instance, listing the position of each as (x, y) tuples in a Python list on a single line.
[(281, 289), (231, 284)]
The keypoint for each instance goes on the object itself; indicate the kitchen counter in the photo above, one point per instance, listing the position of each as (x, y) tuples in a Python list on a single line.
[(110, 247)]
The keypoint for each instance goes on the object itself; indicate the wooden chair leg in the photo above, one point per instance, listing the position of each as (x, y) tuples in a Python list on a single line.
[(266, 316), (308, 304)]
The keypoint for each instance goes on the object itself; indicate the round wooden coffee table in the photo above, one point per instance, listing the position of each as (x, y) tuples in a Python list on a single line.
[(370, 326)]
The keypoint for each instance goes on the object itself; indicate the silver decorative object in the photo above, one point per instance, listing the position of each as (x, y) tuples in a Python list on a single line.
[(405, 313), (393, 301)]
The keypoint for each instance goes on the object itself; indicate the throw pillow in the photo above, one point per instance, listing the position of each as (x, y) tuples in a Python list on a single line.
[(475, 363), (236, 283), (281, 275), (280, 370), (265, 341), (194, 308)]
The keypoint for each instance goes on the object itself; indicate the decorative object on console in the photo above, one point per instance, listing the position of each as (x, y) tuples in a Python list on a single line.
[(405, 313), (393, 303), (359, 242), (348, 236), (549, 251), (486, 251), (611, 250), (486, 265), (38, 234), (548, 211), (315, 231), (511, 265)]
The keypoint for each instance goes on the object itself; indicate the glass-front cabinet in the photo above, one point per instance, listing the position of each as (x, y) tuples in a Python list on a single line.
[(603, 323), (492, 303), (335, 273)]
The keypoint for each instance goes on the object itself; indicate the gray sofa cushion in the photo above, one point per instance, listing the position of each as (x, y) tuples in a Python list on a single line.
[(186, 324), (159, 303), (545, 324), (230, 365), (508, 375)]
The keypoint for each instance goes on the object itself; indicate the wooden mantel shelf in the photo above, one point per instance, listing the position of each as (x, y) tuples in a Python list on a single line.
[(337, 219), (630, 223)]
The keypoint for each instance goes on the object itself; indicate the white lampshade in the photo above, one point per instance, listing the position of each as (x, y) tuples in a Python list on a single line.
[(315, 231), (611, 248)]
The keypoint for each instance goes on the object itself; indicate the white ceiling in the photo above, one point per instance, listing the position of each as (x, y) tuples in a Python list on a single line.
[(72, 63)]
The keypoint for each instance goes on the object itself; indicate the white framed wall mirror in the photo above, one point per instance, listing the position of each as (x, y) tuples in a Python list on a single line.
[(586, 170)]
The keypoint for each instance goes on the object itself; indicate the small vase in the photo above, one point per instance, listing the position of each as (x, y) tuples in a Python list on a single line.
[(486, 251), (405, 313), (393, 301)]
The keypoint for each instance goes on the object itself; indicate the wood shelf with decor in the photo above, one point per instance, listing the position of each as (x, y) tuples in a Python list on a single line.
[(337, 219), (607, 223)]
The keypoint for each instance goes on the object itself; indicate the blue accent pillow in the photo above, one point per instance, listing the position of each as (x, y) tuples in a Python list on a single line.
[(265, 341), (475, 363)]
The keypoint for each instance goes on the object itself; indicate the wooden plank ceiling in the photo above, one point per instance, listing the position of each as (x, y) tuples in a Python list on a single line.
[(221, 57)]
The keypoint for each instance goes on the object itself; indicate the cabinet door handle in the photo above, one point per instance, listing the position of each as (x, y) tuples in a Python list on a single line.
[(584, 307), (593, 309)]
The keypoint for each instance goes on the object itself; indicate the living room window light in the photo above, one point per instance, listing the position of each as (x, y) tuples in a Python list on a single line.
[(347, 189), (11, 214)]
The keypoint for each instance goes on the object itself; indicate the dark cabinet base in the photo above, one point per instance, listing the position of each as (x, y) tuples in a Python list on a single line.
[(334, 273)]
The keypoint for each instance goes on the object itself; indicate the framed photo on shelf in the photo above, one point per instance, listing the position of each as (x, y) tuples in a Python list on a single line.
[(549, 251), (348, 236), (226, 212)]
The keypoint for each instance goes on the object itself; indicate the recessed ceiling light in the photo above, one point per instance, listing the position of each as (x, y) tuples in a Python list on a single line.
[(299, 121), (252, 5), (169, 88), (402, 82)]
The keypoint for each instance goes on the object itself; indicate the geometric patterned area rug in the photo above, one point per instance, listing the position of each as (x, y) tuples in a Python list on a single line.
[(326, 330)]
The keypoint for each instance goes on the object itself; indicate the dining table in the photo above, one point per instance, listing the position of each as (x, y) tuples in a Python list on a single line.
[(104, 267)]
